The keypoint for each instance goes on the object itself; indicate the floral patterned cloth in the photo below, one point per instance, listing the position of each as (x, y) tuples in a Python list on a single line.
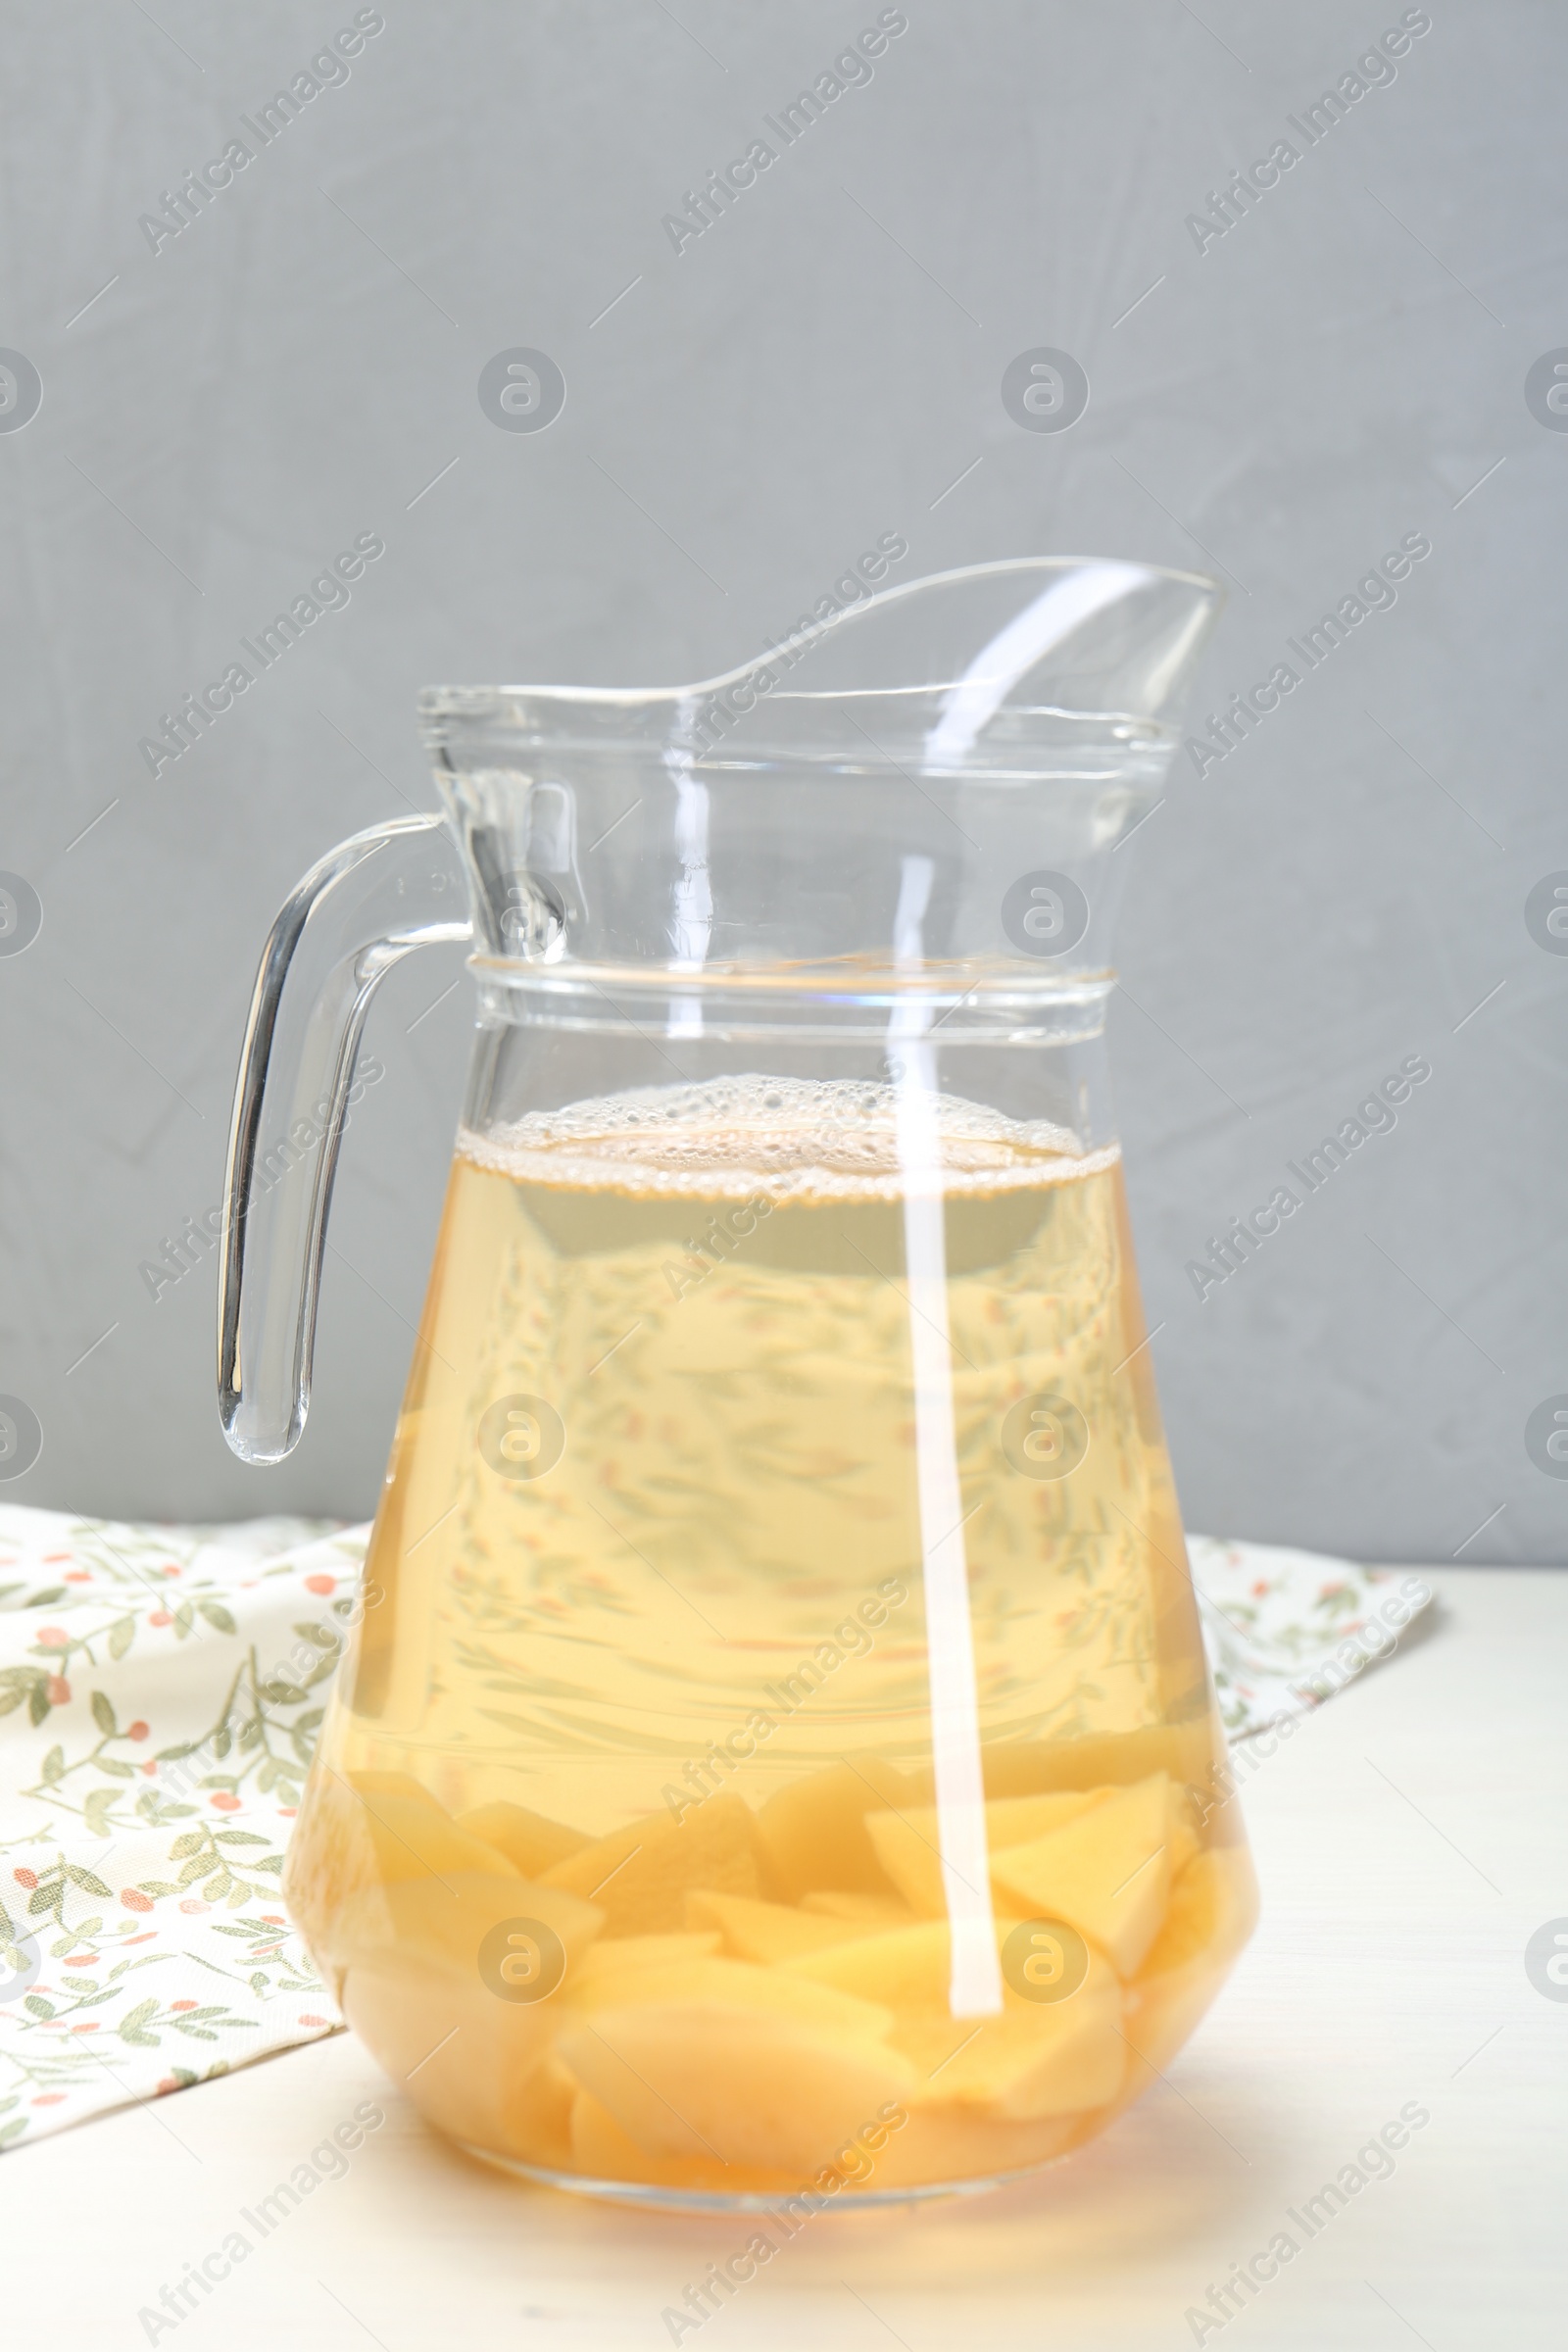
[(1285, 1630), (160, 1693)]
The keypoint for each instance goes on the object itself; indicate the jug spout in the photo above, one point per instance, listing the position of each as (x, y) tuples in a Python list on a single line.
[(1041, 636), (1103, 632), (1009, 718)]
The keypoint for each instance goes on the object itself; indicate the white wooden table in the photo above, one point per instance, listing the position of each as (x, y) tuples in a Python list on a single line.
[(1409, 1839)]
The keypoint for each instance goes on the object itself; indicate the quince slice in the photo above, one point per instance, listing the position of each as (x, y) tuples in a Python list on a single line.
[(641, 1874), (767, 1931), (697, 1977), (602, 2149), (1212, 1911), (471, 2063), (414, 1839), (414, 1991), (448, 1918), (907, 1846), (615, 1969), (860, 1910), (1106, 1872), (530, 1842), (905, 1968), (701, 2077), (1036, 2060), (364, 1832), (813, 1832)]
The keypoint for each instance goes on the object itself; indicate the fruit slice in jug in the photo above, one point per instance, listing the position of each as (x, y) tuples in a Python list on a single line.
[(689, 2078), (1061, 2058), (905, 1967), (368, 1830), (859, 1910), (1212, 1911), (613, 1971), (1037, 2058), (602, 2148), (1106, 1872), (528, 1841), (641, 1875), (768, 1933), (475, 2068), (721, 2058), (814, 1832), (907, 1846)]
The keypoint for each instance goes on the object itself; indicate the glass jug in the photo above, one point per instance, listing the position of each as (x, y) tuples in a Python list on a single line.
[(777, 1754)]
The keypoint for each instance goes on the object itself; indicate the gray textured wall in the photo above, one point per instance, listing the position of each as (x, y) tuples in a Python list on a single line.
[(1345, 365)]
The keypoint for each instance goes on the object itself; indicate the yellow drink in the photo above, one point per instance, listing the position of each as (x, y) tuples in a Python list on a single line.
[(625, 1847)]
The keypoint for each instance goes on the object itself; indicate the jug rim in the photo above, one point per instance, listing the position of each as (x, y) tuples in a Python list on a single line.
[(480, 701)]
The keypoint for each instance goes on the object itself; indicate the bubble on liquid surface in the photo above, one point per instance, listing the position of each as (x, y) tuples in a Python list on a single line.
[(793, 1139)]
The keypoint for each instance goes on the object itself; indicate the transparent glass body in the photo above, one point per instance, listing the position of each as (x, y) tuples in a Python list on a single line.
[(773, 1758)]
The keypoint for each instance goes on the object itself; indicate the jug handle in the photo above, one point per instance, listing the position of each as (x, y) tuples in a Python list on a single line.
[(360, 910)]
